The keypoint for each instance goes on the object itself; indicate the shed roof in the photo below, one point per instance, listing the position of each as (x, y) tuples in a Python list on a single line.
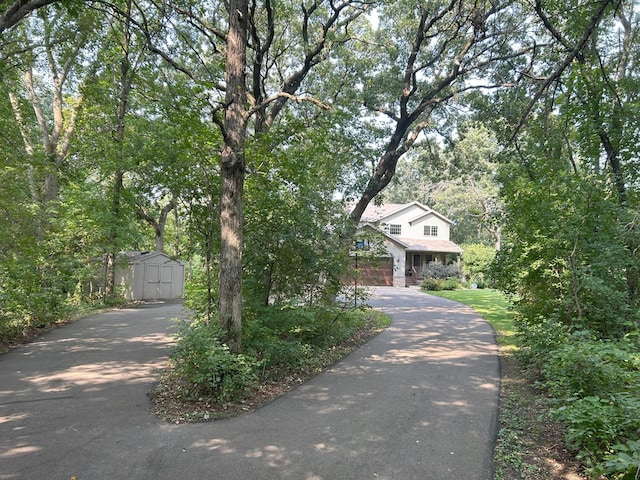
[(134, 256)]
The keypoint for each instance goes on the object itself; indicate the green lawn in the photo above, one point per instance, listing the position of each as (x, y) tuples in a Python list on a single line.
[(492, 305)]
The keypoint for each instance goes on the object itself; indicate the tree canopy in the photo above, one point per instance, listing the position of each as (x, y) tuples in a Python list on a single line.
[(236, 135)]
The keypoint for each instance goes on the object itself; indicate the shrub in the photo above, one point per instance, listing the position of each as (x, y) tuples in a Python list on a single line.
[(476, 262), (538, 340), (440, 271), (623, 461), (595, 424), (592, 367), (209, 367), (595, 382), (436, 284), (293, 338)]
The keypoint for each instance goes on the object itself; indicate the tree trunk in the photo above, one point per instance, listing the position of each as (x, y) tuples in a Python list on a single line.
[(126, 75), (232, 176), (116, 194), (160, 224)]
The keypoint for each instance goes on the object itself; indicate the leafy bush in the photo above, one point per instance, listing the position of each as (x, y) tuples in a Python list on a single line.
[(476, 262), (595, 383), (277, 341), (595, 424), (623, 461), (440, 271), (538, 340), (209, 368), (591, 367), (436, 284), (293, 338)]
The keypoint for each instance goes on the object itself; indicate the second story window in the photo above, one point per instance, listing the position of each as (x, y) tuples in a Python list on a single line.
[(395, 229), (430, 231)]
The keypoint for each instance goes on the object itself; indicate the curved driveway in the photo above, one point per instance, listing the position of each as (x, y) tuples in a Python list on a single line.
[(419, 401)]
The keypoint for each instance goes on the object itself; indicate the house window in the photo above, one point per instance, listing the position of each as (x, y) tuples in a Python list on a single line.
[(362, 244), (430, 230), (395, 229)]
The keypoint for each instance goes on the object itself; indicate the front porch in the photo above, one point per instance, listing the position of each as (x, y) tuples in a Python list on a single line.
[(416, 261)]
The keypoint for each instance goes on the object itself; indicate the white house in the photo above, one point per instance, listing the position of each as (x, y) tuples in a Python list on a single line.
[(414, 235)]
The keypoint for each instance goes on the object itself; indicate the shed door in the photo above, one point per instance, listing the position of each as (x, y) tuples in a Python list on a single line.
[(158, 281)]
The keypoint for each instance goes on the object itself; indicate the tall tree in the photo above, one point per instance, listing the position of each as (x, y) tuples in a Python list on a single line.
[(130, 57), (451, 48), (232, 173), (58, 45), (571, 185), (270, 50)]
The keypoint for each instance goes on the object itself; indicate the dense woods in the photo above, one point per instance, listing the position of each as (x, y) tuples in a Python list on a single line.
[(233, 135)]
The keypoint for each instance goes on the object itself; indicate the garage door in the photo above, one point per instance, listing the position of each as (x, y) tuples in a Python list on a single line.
[(376, 271)]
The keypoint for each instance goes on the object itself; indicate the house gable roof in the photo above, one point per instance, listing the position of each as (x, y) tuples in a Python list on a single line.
[(378, 213), (391, 238), (424, 245), (418, 244)]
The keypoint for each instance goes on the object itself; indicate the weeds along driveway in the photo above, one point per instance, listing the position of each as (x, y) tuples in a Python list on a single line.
[(419, 401)]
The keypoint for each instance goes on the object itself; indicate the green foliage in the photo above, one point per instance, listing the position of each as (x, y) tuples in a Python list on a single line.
[(567, 260), (623, 463), (278, 342), (291, 338), (476, 262), (292, 225), (590, 368), (208, 367), (438, 276), (596, 424), (437, 284), (538, 340), (594, 383)]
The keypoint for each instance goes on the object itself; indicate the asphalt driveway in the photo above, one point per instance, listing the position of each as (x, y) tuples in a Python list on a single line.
[(419, 401)]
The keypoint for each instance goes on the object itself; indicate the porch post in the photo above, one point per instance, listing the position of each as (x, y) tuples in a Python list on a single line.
[(399, 267)]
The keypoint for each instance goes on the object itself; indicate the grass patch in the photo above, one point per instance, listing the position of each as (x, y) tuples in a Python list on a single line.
[(493, 306)]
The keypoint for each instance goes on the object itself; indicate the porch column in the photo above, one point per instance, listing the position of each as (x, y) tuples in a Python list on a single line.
[(399, 266)]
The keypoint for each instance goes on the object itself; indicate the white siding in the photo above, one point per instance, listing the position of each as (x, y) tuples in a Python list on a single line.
[(415, 229), (399, 257)]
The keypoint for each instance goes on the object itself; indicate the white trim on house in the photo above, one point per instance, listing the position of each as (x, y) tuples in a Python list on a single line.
[(412, 249)]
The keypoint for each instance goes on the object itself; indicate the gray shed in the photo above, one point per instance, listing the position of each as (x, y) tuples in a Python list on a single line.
[(149, 276)]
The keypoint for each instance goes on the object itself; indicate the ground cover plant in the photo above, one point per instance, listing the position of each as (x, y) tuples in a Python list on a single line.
[(282, 347), (593, 384)]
